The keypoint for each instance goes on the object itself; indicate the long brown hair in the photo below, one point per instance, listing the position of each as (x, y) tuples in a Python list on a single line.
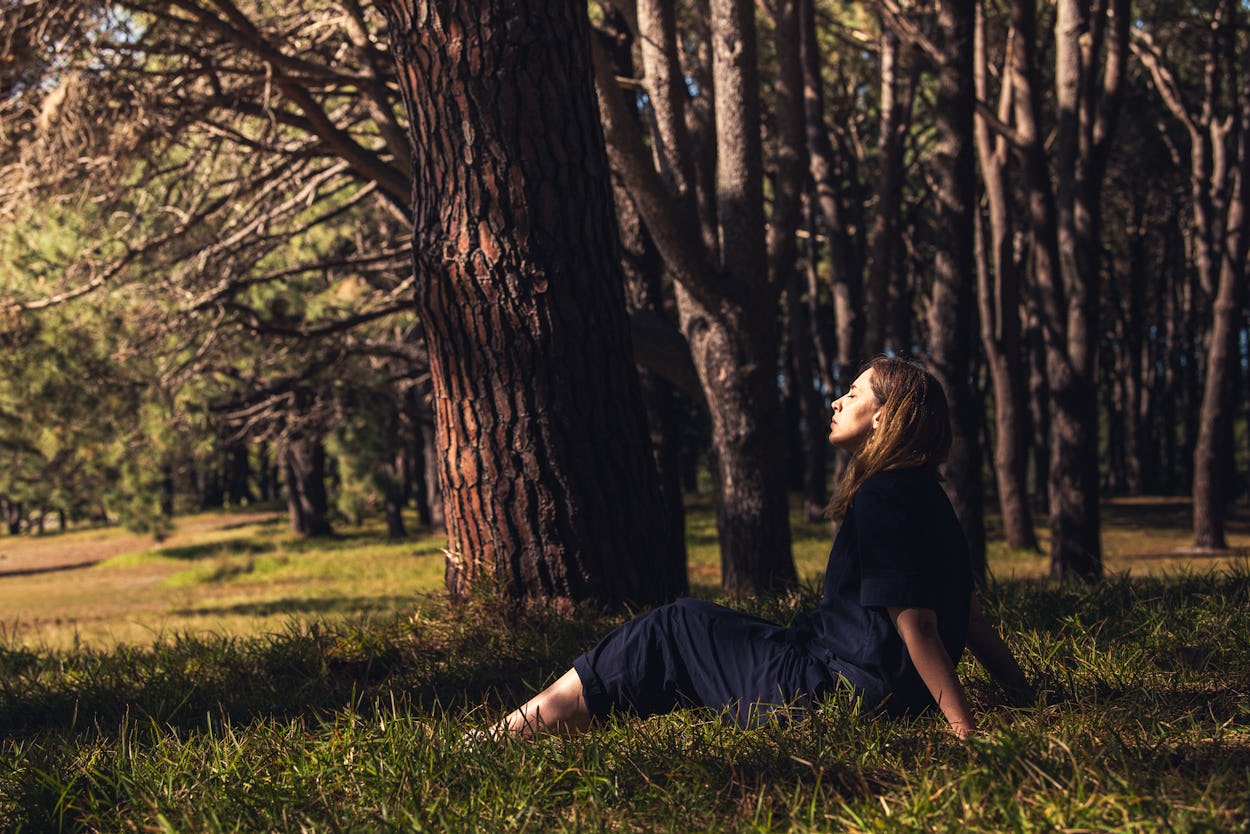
[(914, 429)]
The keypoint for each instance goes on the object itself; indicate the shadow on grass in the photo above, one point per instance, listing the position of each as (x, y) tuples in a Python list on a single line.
[(1168, 514), (464, 655), (300, 605), (276, 522), (458, 659), (208, 550), (1116, 605)]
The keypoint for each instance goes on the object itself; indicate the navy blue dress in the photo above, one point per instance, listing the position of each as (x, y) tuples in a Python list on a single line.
[(899, 545)]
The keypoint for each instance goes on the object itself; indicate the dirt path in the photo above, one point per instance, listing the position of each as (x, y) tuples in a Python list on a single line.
[(27, 555)]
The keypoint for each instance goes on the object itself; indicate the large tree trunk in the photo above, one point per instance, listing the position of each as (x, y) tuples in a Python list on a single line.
[(550, 488), (952, 317)]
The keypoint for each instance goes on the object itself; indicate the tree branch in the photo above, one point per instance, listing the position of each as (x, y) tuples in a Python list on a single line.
[(676, 234), (894, 17)]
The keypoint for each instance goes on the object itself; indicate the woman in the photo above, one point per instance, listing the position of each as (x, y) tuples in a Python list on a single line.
[(897, 611)]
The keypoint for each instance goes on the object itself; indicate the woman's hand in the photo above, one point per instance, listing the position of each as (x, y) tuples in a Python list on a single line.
[(987, 647)]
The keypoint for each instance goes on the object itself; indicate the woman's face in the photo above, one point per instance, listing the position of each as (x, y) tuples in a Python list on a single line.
[(855, 415)]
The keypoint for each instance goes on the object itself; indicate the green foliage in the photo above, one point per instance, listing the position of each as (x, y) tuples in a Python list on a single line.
[(111, 402), (1142, 726), (363, 442)]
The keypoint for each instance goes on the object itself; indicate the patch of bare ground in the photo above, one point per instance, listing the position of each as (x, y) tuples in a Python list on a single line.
[(48, 584), (26, 555), (1152, 534)]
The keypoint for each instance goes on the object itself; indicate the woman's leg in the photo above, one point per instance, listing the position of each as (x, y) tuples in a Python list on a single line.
[(560, 708)]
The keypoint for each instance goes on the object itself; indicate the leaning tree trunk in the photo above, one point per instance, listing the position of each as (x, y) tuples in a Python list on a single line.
[(546, 470), (726, 304)]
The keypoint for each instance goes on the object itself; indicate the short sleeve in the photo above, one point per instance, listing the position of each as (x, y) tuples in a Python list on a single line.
[(897, 565)]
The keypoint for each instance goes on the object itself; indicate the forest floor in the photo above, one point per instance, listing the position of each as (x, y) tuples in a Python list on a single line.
[(237, 678), (243, 572)]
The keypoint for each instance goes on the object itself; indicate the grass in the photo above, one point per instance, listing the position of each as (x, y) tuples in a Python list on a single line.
[(238, 578), (335, 695)]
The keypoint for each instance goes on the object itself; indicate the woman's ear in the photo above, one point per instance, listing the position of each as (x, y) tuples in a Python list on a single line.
[(876, 419)]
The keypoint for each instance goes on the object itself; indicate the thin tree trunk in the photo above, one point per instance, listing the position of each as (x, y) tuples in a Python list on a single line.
[(884, 234), (265, 480), (212, 495), (1214, 446), (1066, 221), (846, 261), (814, 417), (952, 316), (643, 270), (238, 489), (392, 486), (167, 491), (1000, 315), (303, 464)]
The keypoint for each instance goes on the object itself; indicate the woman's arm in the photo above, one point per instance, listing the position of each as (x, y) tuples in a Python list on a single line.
[(918, 628), (996, 657)]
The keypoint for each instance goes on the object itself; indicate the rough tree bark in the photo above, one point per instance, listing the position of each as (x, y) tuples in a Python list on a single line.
[(546, 470)]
